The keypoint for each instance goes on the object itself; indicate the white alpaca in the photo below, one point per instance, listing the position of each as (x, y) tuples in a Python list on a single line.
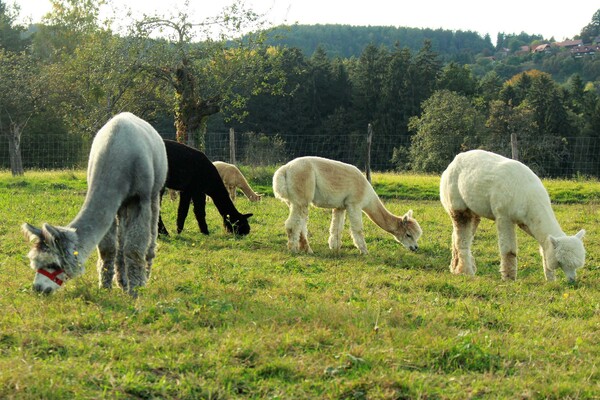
[(341, 187), (233, 178), (127, 169), (483, 184)]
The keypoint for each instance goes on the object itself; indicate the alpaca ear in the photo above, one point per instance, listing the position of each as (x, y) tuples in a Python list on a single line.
[(32, 233), (407, 216), (51, 234), (579, 235), (247, 215), (553, 241)]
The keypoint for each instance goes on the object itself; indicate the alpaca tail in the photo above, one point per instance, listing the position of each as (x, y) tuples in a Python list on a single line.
[(280, 184)]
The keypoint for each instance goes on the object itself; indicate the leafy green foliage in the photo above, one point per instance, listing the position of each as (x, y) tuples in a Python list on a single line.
[(226, 317)]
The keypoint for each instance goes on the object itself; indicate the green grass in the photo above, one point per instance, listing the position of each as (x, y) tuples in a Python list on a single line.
[(227, 318)]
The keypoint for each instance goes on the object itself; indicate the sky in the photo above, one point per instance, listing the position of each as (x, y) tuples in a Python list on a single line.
[(560, 20)]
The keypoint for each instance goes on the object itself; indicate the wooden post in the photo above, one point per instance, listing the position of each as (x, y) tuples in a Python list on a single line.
[(369, 141), (514, 147), (231, 146)]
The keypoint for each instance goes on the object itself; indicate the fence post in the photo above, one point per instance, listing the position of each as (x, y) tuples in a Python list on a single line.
[(514, 147), (231, 146), (369, 141)]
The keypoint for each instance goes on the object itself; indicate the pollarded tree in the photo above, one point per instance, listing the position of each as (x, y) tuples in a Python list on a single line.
[(213, 75), (448, 125)]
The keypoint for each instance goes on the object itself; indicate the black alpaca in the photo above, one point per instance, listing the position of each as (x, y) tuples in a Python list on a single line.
[(195, 177)]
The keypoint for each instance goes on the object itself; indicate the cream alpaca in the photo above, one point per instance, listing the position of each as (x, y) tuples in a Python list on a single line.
[(343, 188), (483, 184), (233, 179)]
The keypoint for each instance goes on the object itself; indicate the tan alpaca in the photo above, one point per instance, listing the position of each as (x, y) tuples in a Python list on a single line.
[(233, 179), (343, 188)]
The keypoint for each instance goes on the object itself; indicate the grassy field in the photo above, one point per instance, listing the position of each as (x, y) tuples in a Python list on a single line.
[(227, 318)]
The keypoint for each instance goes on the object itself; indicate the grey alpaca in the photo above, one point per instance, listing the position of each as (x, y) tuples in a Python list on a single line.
[(127, 169)]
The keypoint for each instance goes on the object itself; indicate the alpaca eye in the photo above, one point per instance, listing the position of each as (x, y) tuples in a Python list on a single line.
[(408, 235)]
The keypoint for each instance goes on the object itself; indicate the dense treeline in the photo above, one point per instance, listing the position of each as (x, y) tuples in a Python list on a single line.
[(439, 109), (450, 92), (346, 41)]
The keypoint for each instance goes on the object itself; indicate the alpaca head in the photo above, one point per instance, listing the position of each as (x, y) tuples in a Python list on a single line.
[(568, 253), (53, 256), (237, 225), (408, 231)]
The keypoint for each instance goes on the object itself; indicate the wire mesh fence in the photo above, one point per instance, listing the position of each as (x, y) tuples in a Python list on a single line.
[(560, 157)]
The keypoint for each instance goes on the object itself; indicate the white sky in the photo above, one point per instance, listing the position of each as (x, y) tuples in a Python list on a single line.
[(558, 19)]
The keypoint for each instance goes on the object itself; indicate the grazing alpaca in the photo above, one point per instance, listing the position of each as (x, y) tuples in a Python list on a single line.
[(341, 187), (483, 184), (195, 177), (126, 171), (233, 178)]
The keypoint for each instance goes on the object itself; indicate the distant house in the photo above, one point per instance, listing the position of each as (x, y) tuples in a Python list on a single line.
[(585, 51), (523, 50), (569, 43), (543, 48)]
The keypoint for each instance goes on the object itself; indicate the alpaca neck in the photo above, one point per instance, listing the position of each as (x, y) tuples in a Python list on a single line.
[(222, 201), (248, 190), (542, 222), (380, 215), (93, 221)]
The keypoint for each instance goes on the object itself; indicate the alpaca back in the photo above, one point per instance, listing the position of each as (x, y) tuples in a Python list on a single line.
[(488, 184), (127, 158), (322, 182), (191, 170), (233, 178)]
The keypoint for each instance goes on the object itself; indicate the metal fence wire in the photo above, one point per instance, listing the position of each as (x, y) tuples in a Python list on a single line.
[(567, 158)]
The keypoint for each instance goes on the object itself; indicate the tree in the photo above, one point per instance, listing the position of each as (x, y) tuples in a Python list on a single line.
[(591, 30), (20, 85), (448, 125), (368, 76), (457, 78), (423, 73), (20, 94), (503, 122), (10, 32), (209, 76)]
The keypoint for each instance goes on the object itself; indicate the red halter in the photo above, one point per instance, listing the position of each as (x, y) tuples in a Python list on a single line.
[(53, 276)]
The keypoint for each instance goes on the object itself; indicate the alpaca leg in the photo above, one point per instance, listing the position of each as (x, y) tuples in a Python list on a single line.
[(294, 225), (304, 245), (107, 252), (338, 216), (549, 268), (464, 226), (199, 200), (185, 199), (151, 253), (507, 242), (120, 262), (162, 229), (136, 231), (356, 229), (232, 192), (474, 225)]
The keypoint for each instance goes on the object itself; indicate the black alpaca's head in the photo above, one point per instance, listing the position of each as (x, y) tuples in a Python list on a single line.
[(238, 225)]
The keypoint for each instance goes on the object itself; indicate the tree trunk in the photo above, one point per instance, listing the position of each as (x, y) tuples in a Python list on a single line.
[(191, 111), (14, 148)]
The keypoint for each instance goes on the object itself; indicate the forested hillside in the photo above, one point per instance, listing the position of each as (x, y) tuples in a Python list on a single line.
[(348, 41)]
